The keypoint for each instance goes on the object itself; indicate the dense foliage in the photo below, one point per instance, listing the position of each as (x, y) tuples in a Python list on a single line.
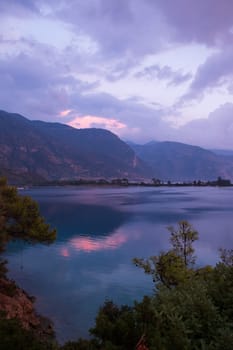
[(14, 337), (192, 308), (20, 217)]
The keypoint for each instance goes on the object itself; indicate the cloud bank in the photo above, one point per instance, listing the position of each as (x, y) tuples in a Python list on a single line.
[(122, 65)]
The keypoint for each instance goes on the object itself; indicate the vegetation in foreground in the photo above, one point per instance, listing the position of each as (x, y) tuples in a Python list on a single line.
[(20, 325), (191, 307)]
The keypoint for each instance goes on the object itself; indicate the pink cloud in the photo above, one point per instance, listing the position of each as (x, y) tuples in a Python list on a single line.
[(65, 112), (90, 121)]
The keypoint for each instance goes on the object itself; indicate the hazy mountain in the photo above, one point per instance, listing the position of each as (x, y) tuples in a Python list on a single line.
[(223, 152), (180, 162), (37, 151), (40, 150)]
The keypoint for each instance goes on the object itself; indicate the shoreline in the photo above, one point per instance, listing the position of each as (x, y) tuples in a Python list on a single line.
[(16, 303)]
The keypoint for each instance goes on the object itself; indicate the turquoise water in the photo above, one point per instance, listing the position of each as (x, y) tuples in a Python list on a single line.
[(100, 230)]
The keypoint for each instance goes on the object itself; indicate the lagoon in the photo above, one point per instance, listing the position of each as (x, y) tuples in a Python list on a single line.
[(100, 231)]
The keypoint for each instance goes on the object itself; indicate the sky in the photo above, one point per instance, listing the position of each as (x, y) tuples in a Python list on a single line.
[(144, 69)]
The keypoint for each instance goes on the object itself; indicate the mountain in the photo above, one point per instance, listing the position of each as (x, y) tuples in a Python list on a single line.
[(223, 152), (181, 162), (38, 151)]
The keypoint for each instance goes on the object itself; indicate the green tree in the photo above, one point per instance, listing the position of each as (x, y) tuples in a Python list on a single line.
[(226, 256), (20, 217), (174, 266), (182, 239), (121, 327), (114, 325), (81, 344), (14, 337), (167, 268), (191, 309)]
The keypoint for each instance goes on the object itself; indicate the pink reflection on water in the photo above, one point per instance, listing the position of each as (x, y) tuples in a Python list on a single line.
[(64, 252), (90, 244)]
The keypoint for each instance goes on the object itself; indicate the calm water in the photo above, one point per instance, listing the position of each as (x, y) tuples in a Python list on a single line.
[(100, 230)]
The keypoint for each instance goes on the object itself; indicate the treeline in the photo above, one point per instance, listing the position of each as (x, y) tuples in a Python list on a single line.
[(191, 307), (127, 182)]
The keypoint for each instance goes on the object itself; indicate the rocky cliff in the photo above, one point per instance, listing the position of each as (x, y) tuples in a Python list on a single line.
[(15, 303)]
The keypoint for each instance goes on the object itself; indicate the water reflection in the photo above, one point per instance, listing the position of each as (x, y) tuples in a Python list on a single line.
[(75, 217), (91, 244), (99, 232)]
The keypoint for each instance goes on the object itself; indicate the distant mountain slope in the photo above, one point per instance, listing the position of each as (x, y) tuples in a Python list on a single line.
[(223, 152), (40, 150), (181, 162)]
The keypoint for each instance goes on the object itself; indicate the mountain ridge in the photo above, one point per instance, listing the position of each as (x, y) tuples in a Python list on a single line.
[(37, 151), (53, 151), (177, 161)]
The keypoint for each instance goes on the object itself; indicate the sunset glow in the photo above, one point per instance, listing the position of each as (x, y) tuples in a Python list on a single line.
[(90, 121), (65, 112), (102, 64)]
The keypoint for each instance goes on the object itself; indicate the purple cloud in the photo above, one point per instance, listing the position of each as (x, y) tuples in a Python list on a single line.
[(208, 22), (103, 41), (43, 87), (173, 77), (143, 27), (117, 26), (39, 87), (18, 8), (214, 131), (216, 71)]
